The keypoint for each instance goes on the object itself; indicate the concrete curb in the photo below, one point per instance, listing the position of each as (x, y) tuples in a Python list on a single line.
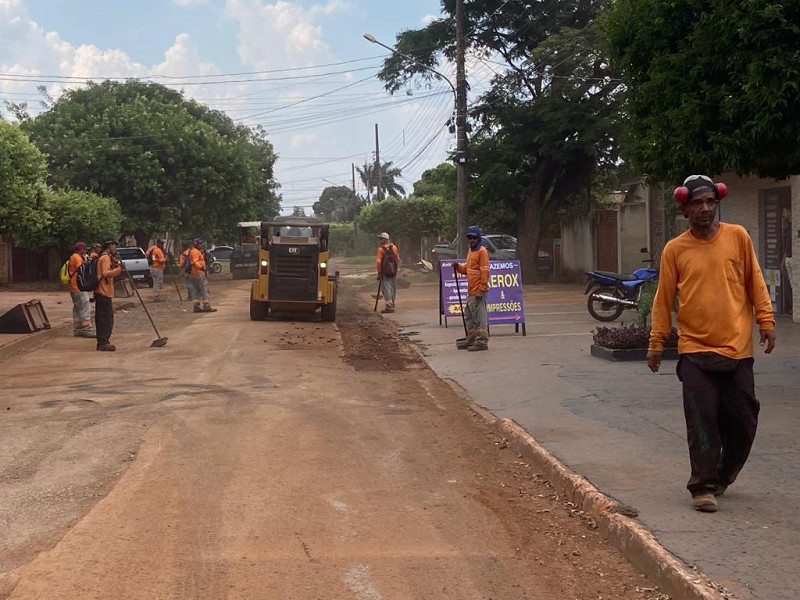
[(40, 337), (627, 535)]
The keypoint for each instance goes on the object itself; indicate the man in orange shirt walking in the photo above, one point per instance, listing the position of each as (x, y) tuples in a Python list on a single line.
[(108, 267), (158, 262), (196, 277), (714, 267), (81, 308), (477, 271), (387, 261)]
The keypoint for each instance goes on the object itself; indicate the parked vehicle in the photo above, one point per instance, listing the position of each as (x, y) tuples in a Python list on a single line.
[(612, 293), (221, 252), (135, 263), (213, 266), (501, 246), (244, 257)]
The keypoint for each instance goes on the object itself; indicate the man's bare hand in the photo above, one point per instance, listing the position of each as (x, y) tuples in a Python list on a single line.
[(768, 338), (654, 360)]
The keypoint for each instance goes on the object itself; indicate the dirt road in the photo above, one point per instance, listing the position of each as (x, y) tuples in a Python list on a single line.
[(276, 460)]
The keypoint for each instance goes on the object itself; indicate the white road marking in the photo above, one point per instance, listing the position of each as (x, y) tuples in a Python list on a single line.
[(357, 579)]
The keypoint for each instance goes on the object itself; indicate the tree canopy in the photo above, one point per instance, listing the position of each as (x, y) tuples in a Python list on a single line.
[(72, 216), (22, 181), (713, 86), (439, 181), (338, 204), (171, 163), (547, 122), (406, 218), (381, 181)]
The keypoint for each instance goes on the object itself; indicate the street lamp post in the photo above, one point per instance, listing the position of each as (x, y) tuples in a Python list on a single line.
[(460, 104)]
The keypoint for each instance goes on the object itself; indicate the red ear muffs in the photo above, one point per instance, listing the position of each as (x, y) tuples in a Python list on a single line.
[(681, 194)]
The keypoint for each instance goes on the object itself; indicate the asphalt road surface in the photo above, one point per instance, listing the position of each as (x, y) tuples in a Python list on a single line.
[(282, 459)]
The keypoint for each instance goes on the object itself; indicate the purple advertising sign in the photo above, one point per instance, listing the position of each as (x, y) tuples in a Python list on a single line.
[(504, 300)]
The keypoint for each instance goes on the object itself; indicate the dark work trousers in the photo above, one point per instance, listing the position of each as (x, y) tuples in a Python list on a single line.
[(721, 413), (103, 318)]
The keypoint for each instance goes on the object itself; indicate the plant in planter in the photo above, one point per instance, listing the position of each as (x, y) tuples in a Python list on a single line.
[(630, 342)]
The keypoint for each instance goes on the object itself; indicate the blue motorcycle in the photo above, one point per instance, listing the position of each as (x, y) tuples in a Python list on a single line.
[(612, 293)]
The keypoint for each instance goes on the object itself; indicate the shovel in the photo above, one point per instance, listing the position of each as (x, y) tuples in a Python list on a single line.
[(172, 274), (160, 341), (378, 295), (461, 304)]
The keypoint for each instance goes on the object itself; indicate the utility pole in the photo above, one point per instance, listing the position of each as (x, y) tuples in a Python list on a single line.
[(353, 168), (461, 129), (378, 164)]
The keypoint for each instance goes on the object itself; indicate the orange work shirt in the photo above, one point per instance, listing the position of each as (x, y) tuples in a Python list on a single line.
[(75, 261), (159, 260), (106, 274), (382, 249), (477, 271), (719, 287), (198, 261)]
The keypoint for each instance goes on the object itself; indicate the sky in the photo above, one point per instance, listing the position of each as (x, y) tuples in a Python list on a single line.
[(310, 73)]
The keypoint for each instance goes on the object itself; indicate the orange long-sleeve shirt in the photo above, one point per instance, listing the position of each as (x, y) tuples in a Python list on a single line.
[(379, 257), (719, 286), (106, 274), (75, 261), (477, 271), (159, 260), (198, 261)]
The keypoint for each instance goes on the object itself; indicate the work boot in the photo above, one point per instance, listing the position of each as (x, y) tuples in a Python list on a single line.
[(84, 333), (704, 502), (106, 347), (477, 347), (463, 344), (720, 490), (388, 310), (207, 308), (197, 308)]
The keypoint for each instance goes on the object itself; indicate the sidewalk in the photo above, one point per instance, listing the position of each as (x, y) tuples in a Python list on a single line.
[(622, 427)]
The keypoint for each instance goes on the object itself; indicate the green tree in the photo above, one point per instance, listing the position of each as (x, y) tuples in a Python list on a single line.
[(22, 182), (407, 219), (382, 181), (72, 216), (439, 181), (547, 121), (298, 211), (172, 163), (338, 204), (713, 86)]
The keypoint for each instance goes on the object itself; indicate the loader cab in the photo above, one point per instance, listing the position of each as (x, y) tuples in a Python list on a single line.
[(244, 258), (295, 274)]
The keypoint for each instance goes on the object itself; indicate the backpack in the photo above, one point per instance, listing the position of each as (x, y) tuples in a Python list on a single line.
[(86, 275), (64, 273), (389, 262), (150, 258), (187, 264)]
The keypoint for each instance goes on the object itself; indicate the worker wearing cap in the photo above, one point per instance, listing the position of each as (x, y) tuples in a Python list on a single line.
[(196, 279), (715, 268), (158, 262), (109, 265), (477, 271), (81, 307), (386, 261)]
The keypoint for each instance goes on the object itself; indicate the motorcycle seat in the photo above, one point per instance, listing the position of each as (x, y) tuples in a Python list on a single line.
[(617, 276)]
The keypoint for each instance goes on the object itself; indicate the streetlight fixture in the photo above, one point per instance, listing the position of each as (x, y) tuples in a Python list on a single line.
[(460, 100)]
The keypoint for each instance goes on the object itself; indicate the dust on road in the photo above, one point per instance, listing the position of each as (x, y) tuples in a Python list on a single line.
[(272, 460)]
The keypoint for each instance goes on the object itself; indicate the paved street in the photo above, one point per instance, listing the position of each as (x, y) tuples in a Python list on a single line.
[(286, 460), (622, 427)]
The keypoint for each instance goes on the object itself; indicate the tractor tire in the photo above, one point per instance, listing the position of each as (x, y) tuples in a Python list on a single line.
[(258, 310), (604, 311), (328, 312)]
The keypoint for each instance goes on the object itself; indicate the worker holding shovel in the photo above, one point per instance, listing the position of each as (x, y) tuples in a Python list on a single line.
[(477, 271)]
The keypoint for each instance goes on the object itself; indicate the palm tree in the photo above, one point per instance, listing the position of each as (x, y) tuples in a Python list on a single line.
[(388, 185)]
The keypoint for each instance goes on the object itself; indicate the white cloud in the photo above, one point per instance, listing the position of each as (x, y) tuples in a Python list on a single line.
[(303, 139), (281, 34), (428, 19), (190, 3), (31, 50)]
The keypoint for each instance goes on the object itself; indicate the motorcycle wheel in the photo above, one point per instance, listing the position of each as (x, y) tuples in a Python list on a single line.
[(604, 311), (216, 268)]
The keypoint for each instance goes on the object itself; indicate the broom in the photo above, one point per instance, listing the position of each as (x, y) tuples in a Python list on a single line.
[(159, 341)]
